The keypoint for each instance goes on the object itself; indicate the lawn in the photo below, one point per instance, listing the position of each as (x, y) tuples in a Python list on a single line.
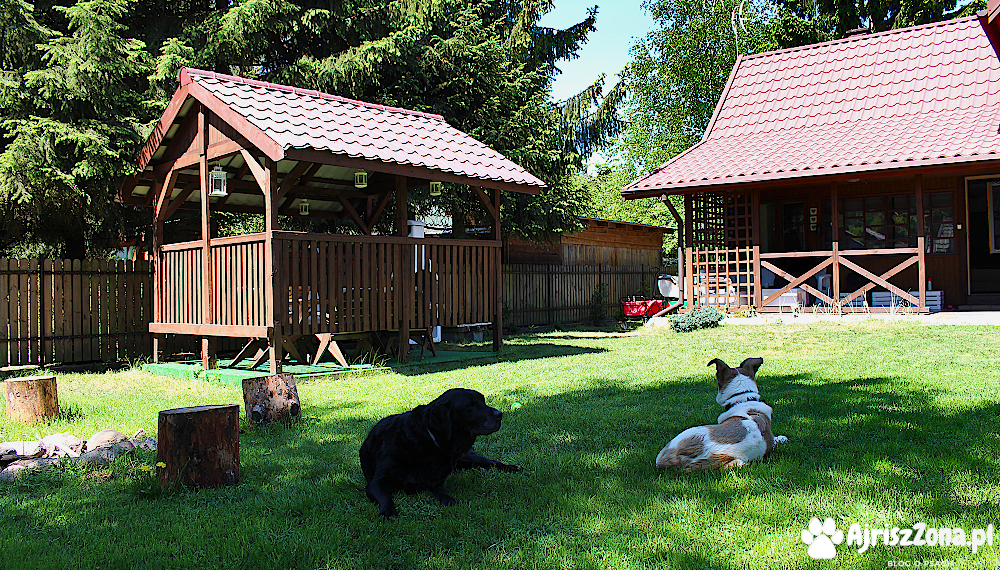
[(890, 425)]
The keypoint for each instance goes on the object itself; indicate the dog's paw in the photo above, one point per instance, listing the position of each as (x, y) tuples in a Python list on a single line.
[(509, 468), (388, 512), (780, 439)]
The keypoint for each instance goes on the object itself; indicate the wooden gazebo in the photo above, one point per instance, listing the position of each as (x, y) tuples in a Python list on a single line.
[(289, 151)]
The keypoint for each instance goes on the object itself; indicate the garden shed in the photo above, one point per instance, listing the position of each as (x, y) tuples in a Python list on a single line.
[(858, 174), (229, 144), (600, 241)]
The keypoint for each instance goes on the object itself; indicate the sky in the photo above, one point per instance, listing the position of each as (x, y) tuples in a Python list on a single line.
[(619, 24)]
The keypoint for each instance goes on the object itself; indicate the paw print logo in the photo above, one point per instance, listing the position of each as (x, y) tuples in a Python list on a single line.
[(821, 538)]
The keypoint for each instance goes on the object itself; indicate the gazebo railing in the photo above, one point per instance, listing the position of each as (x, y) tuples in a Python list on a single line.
[(334, 283), (342, 283)]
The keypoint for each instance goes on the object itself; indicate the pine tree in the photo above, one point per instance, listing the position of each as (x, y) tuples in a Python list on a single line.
[(73, 135)]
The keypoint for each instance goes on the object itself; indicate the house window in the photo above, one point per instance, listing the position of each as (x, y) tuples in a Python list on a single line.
[(993, 198), (939, 223), (889, 222)]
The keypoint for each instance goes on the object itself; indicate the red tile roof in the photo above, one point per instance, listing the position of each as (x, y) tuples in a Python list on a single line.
[(304, 119), (909, 97)]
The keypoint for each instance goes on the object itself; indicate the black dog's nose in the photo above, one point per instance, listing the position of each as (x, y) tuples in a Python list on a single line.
[(497, 414)]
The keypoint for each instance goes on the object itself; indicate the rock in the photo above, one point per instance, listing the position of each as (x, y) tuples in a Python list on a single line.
[(14, 470), (62, 445), (106, 438), (24, 449), (104, 455), (149, 444)]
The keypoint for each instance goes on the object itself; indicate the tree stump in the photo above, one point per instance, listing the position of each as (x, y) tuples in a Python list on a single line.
[(271, 399), (200, 446), (32, 398)]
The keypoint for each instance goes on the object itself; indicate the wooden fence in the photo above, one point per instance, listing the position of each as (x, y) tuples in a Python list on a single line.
[(548, 294), (70, 311), (62, 311)]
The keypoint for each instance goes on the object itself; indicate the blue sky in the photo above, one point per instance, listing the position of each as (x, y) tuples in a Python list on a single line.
[(619, 24)]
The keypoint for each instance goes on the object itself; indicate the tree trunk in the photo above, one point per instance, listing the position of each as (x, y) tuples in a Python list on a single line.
[(32, 398), (199, 446), (271, 399)]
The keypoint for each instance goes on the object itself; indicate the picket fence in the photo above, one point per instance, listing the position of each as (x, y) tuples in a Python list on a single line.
[(77, 311)]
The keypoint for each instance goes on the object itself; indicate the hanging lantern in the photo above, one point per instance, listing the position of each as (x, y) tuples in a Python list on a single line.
[(360, 179), (217, 182), (435, 188), (304, 207)]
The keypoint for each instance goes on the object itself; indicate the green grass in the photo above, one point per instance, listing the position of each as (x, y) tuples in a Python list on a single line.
[(890, 424)]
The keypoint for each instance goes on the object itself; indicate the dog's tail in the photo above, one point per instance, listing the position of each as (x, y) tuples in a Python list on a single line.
[(668, 458)]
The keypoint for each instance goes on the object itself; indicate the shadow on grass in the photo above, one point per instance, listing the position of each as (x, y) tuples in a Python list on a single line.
[(589, 496), (510, 353)]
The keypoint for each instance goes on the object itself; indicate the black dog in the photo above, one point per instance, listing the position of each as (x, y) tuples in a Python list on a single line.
[(416, 451)]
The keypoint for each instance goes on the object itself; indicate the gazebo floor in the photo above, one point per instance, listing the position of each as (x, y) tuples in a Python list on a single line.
[(233, 376)]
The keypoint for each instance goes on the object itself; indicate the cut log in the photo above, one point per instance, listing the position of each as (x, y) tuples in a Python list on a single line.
[(32, 398), (271, 399), (199, 446)]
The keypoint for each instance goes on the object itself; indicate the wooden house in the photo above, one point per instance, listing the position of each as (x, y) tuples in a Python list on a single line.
[(606, 242), (228, 144), (846, 173)]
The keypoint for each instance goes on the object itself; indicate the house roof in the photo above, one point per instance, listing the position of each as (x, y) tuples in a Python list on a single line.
[(281, 120), (920, 96)]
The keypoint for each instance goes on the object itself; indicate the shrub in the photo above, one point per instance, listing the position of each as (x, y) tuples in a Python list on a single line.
[(598, 302), (705, 317)]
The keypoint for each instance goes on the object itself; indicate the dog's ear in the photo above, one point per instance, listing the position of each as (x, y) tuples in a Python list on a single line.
[(750, 366), (723, 373), (439, 419)]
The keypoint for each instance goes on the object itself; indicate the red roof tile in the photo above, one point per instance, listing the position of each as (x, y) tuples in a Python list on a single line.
[(304, 119), (908, 97)]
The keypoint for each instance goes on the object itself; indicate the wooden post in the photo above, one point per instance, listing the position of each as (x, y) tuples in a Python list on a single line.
[(835, 244), (200, 446), (208, 360), (274, 285), (157, 273), (32, 398), (497, 277), (921, 243), (406, 279), (680, 246), (271, 399)]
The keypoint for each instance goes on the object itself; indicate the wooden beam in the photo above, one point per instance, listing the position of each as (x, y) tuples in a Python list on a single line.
[(793, 281), (289, 180), (922, 267), (402, 207), (373, 216), (162, 126), (258, 171), (208, 330), (165, 192), (886, 276), (207, 291), (176, 202), (353, 213), (486, 202), (878, 280), (253, 134), (326, 157), (276, 293)]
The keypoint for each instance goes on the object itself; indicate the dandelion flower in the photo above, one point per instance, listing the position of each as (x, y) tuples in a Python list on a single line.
[(145, 468), (161, 465)]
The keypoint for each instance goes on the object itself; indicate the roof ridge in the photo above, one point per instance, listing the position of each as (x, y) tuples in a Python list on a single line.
[(186, 73), (859, 38)]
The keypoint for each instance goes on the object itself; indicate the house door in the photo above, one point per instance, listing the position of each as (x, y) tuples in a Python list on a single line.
[(984, 235)]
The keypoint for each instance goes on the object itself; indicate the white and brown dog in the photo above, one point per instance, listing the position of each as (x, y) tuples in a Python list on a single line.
[(742, 434)]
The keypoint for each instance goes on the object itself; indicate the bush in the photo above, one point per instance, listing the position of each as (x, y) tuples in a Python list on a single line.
[(598, 301), (706, 317)]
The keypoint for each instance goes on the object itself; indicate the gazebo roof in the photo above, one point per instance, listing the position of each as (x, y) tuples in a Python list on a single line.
[(290, 125), (920, 96)]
